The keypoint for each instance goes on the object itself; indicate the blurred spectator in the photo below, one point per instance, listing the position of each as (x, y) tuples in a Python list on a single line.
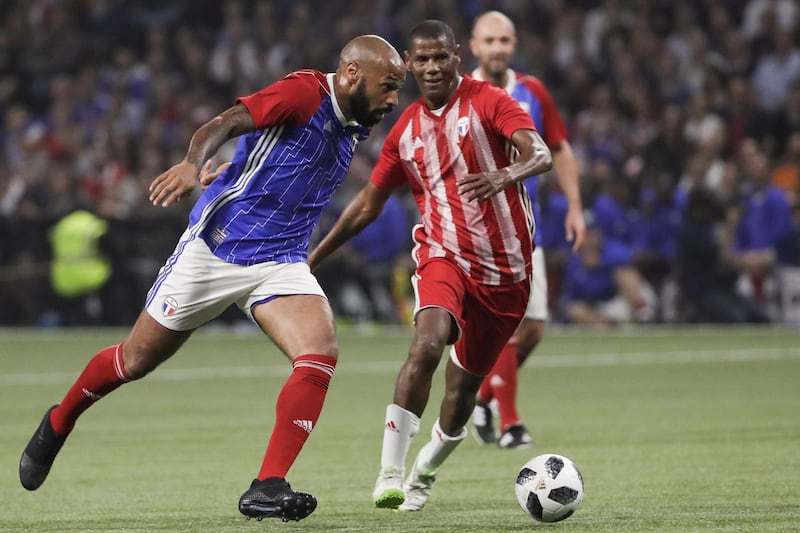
[(615, 212), (763, 236), (667, 152), (760, 16), (235, 59), (734, 58), (775, 73), (706, 276), (655, 232), (742, 117), (602, 286), (789, 121), (786, 176), (79, 269)]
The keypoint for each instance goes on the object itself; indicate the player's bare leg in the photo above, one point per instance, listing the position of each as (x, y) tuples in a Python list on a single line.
[(413, 386), (412, 390), (302, 326), (447, 433), (147, 345)]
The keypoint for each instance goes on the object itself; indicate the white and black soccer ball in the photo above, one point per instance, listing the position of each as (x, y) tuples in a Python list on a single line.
[(549, 487)]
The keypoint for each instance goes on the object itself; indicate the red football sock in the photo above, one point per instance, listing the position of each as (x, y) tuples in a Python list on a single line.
[(104, 373), (296, 412), (503, 380)]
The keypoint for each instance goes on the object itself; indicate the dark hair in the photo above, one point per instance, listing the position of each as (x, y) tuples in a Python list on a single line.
[(433, 29)]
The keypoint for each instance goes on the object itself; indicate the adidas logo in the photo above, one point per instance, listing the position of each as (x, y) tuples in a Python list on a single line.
[(307, 425), (391, 426), (417, 143), (91, 395)]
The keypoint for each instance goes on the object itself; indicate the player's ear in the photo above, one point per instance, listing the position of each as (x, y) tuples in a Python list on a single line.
[(353, 72)]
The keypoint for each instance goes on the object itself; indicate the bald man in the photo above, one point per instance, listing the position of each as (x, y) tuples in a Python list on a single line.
[(246, 244), (493, 44)]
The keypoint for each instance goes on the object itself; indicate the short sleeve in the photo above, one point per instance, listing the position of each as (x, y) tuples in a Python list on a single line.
[(292, 100), (507, 114)]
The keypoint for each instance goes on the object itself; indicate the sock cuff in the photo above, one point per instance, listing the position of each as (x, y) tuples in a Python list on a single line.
[(119, 363), (312, 361), (395, 411), (437, 433)]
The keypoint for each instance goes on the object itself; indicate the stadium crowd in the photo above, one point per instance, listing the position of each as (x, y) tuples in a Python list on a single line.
[(684, 116)]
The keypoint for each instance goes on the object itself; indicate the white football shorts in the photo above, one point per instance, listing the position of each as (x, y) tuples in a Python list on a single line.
[(194, 286), (537, 303)]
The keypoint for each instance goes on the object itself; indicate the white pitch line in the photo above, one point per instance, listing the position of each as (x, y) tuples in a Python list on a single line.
[(666, 357), (391, 367)]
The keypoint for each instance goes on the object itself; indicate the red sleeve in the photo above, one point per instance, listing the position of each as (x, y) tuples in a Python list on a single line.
[(292, 100), (388, 171), (505, 112), (554, 129)]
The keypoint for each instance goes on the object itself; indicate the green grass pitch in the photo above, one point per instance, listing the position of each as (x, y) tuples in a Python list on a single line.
[(674, 430)]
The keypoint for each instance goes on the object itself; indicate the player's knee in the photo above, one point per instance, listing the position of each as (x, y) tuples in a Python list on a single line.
[(426, 352), (329, 348), (139, 360), (320, 340)]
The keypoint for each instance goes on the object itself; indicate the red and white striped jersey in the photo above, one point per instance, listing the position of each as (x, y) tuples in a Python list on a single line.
[(431, 151)]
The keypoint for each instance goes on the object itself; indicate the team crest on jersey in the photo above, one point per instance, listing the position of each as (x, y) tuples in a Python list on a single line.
[(462, 126), (169, 306)]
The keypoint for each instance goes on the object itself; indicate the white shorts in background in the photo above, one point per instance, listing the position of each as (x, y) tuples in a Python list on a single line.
[(537, 303), (194, 286)]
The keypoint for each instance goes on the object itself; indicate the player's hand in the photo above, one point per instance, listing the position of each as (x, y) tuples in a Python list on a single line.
[(207, 177), (174, 184), (483, 185), (575, 227)]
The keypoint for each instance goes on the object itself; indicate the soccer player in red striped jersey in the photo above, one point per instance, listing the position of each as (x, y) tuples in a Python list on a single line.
[(464, 149), (246, 244), (493, 43)]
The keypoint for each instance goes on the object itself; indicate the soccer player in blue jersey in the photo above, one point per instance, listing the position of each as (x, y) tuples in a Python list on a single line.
[(493, 44), (246, 243)]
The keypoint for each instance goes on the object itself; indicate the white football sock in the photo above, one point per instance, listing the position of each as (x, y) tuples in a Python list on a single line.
[(438, 449), (398, 431)]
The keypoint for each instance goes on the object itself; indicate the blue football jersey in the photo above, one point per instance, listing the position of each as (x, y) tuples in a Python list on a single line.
[(266, 204)]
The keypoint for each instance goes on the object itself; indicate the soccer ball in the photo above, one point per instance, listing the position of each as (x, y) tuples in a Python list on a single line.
[(549, 487)]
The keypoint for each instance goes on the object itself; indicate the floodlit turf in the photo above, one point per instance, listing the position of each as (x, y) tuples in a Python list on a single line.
[(674, 430)]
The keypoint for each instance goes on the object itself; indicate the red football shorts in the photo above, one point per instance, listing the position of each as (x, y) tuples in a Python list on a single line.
[(486, 316)]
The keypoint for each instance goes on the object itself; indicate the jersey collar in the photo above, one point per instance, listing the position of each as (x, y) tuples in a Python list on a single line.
[(336, 108), (510, 76)]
